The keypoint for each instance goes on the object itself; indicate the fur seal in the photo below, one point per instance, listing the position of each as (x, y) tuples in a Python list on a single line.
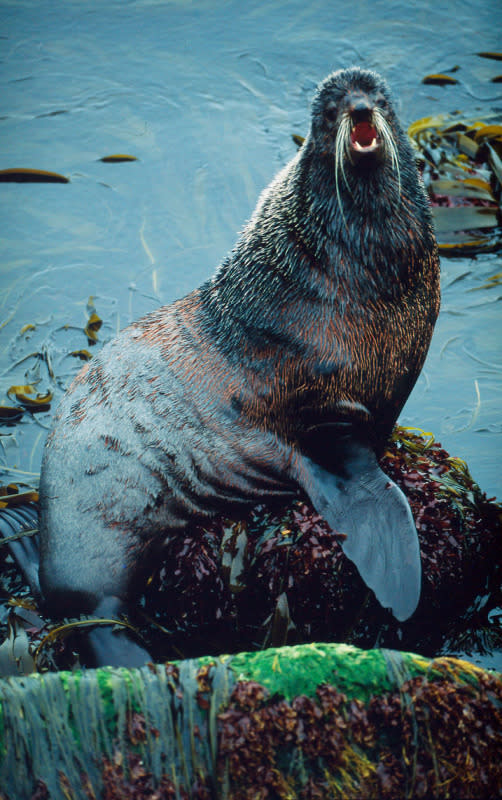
[(287, 369)]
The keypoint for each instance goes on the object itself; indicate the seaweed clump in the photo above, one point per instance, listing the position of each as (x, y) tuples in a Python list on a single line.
[(279, 576), (429, 739), (459, 528)]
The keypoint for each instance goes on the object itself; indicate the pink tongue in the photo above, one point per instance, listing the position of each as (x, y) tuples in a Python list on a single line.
[(363, 134)]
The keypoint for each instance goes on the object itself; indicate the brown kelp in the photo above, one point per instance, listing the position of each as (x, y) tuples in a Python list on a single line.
[(462, 171), (28, 175)]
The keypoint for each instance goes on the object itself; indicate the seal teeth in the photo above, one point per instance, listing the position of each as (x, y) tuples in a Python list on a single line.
[(366, 148), (364, 136)]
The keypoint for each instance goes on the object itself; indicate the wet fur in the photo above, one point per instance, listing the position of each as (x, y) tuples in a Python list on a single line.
[(311, 334)]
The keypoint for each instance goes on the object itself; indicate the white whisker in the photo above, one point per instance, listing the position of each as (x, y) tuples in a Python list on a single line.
[(342, 151), (385, 133)]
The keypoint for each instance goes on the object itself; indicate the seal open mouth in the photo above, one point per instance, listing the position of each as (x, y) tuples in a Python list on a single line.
[(364, 138)]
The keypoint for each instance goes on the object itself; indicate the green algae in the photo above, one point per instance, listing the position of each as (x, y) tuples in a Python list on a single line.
[(291, 671)]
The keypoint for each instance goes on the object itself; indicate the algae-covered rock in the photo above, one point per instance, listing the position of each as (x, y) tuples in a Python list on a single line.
[(314, 721)]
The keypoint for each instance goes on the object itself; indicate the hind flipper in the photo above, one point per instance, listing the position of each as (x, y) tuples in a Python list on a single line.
[(361, 502), (25, 550)]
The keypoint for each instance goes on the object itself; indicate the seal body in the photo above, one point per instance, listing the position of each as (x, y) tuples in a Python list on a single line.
[(288, 368)]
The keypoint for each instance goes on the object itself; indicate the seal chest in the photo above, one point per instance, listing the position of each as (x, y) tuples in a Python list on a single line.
[(287, 369)]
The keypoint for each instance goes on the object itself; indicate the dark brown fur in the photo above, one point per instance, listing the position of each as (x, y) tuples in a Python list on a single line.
[(288, 368)]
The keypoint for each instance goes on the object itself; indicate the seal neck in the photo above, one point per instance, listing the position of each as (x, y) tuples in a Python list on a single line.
[(299, 247)]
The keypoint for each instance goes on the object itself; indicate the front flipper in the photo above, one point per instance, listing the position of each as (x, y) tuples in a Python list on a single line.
[(361, 502)]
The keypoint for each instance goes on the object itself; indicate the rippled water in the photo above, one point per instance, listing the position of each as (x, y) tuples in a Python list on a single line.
[(207, 95)]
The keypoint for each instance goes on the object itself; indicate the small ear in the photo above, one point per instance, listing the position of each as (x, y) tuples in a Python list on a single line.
[(361, 502)]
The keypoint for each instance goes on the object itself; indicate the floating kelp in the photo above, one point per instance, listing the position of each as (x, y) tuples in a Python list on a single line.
[(439, 80), (14, 653), (94, 323), (28, 397), (118, 158), (489, 132), (462, 171), (10, 414), (468, 188), (84, 355), (459, 218), (315, 721), (11, 496), (496, 163), (491, 282), (486, 54), (22, 175)]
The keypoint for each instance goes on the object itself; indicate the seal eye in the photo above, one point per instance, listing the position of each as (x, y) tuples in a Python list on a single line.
[(331, 113)]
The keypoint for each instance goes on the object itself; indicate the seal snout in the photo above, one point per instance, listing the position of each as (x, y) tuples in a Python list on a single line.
[(360, 108), (364, 136)]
